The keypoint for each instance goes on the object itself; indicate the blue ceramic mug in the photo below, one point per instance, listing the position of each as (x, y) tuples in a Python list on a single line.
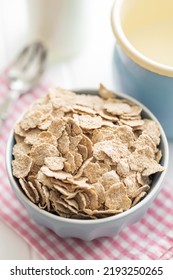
[(144, 54)]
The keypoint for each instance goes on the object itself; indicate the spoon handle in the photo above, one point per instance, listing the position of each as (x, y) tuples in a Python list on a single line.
[(6, 105)]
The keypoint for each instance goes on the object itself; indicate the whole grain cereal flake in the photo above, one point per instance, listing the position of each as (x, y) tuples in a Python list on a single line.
[(117, 108), (30, 190), (40, 151), (54, 163), (21, 148), (114, 150), (61, 175), (104, 93), (21, 165), (109, 178), (116, 197), (88, 122)]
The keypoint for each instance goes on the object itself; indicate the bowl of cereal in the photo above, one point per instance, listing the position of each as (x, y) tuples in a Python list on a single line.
[(86, 163)]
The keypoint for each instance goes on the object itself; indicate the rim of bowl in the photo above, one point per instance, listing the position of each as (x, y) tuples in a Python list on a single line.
[(140, 205), (130, 50)]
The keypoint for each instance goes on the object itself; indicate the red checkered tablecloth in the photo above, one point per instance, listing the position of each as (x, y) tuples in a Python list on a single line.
[(151, 238)]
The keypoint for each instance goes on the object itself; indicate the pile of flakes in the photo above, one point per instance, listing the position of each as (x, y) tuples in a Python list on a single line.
[(85, 156)]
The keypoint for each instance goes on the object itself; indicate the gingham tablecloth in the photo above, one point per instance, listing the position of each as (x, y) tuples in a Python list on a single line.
[(151, 238)]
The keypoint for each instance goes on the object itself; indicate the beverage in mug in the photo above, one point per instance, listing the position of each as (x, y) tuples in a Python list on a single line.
[(144, 54)]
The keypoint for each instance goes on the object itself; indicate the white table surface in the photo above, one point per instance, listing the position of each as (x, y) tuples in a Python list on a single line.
[(94, 64)]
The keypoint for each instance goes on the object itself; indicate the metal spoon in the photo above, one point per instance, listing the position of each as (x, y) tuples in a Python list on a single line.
[(23, 74)]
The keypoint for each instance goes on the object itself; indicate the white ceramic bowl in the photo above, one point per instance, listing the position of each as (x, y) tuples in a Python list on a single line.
[(91, 229)]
